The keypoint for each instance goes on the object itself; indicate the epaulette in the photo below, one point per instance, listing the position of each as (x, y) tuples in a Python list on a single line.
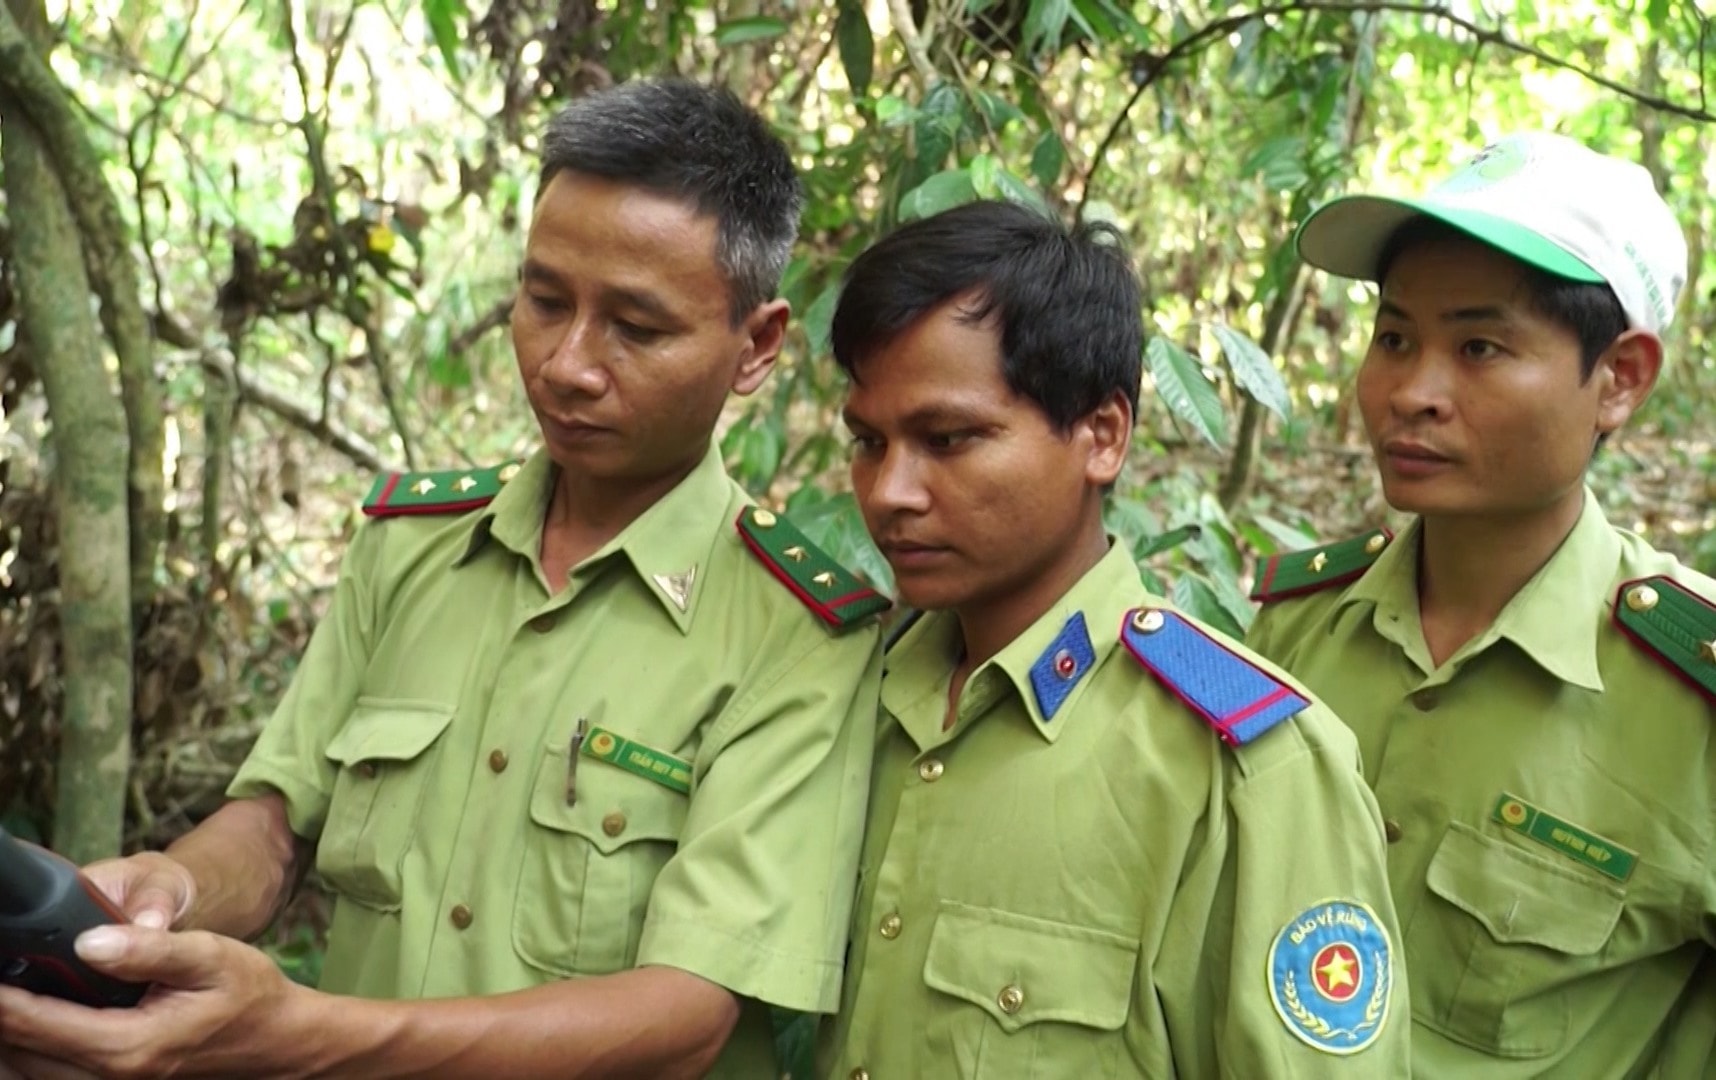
[(445, 491), (1675, 625), (1232, 694), (826, 587), (1298, 572)]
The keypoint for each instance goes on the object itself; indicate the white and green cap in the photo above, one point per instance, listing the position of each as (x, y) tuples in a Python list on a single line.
[(1544, 199)]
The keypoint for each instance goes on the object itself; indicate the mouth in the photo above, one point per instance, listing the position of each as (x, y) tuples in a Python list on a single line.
[(1413, 458), (571, 430), (910, 552)]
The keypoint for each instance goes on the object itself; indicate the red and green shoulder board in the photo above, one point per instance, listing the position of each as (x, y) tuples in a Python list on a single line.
[(443, 491), (835, 593), (1675, 625), (1299, 572)]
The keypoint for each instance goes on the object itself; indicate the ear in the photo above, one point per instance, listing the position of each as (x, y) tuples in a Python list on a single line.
[(1108, 427), (765, 331), (1628, 371)]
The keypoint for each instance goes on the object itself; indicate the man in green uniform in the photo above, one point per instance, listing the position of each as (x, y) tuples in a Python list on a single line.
[(1530, 686), (583, 745), (1104, 841)]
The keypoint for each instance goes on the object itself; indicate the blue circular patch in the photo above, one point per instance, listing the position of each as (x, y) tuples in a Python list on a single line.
[(1331, 976)]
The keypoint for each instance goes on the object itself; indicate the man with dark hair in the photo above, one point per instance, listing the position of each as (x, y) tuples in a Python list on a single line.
[(1531, 687), (582, 757), (1103, 841)]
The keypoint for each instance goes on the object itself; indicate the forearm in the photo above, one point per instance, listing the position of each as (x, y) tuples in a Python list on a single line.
[(653, 1022), (245, 861)]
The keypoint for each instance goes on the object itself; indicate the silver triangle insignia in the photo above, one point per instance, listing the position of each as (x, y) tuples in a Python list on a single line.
[(678, 586)]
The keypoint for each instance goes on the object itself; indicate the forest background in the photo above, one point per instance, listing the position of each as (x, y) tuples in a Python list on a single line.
[(252, 254)]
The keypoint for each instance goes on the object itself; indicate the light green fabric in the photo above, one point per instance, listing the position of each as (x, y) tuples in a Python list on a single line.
[(1526, 959), (1115, 862), (445, 650)]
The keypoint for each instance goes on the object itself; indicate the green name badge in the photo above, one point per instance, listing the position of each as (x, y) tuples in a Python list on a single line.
[(1604, 856), (638, 759)]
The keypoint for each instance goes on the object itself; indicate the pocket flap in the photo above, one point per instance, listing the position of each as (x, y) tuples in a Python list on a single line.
[(1022, 970), (614, 807), (388, 731), (1522, 897)]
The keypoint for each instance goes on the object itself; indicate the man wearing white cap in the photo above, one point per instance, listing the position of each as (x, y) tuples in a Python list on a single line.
[(1532, 688)]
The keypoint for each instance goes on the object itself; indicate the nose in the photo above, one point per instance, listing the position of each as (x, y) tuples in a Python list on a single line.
[(1422, 386), (896, 484), (577, 365)]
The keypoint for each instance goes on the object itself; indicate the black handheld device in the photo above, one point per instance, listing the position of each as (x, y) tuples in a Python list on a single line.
[(45, 903)]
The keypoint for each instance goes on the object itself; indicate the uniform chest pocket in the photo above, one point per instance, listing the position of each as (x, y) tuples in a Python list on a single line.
[(383, 754), (589, 867), (1494, 952), (1046, 999)]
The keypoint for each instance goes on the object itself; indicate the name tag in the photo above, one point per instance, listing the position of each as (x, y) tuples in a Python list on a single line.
[(1602, 855), (639, 760)]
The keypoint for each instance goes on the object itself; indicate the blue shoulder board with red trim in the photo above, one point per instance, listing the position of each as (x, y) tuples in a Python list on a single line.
[(835, 593), (1232, 694)]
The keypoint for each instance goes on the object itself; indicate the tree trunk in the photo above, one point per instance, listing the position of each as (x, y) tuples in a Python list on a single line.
[(89, 445)]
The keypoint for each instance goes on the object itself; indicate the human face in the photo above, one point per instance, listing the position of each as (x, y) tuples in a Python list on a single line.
[(623, 331), (1473, 401), (973, 497)]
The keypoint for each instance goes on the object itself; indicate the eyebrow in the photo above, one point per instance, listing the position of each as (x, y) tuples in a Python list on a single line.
[(638, 299), (1488, 313), (934, 415)]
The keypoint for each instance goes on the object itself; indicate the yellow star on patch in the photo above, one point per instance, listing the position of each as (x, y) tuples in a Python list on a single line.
[(423, 486), (1707, 649), (1318, 561), (465, 483), (1338, 972)]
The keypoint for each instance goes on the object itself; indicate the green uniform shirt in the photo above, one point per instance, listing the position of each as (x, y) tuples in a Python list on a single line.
[(425, 745), (1550, 798), (1095, 892)]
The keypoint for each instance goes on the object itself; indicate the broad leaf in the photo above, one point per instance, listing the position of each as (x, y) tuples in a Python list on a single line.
[(1167, 541), (943, 191), (1201, 600), (1186, 390), (443, 17), (1048, 159), (857, 46), (1044, 22), (1253, 370), (748, 29)]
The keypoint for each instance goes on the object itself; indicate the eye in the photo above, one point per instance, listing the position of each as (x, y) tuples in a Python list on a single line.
[(948, 440), (1479, 349), (545, 304), (1391, 341), (862, 444), (642, 335)]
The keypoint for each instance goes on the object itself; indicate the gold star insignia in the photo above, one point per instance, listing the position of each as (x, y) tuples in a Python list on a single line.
[(825, 579), (465, 483), (1318, 561), (1338, 972), (1707, 649), (796, 553), (423, 486)]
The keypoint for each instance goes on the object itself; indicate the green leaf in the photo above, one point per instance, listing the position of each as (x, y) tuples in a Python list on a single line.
[(857, 46), (1167, 541), (1048, 159), (1253, 370), (818, 319), (1287, 537), (984, 170), (943, 191), (1656, 13), (1280, 161), (1016, 190), (751, 28), (837, 526), (443, 17), (1201, 600), (1044, 22), (1186, 390)]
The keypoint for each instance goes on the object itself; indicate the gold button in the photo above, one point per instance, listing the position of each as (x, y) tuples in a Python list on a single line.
[(1375, 544), (507, 472), (1642, 598), (1391, 831), (762, 518), (858, 1074), (497, 760), (366, 769), (614, 824), (931, 770), (461, 916), (543, 623), (1425, 700), (1011, 999), (890, 927), (1148, 622)]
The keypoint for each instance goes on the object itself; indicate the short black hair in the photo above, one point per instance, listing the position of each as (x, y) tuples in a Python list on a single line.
[(701, 144), (1067, 301), (1591, 310)]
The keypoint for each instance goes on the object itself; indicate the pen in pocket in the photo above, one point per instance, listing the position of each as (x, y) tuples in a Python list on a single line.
[(578, 732)]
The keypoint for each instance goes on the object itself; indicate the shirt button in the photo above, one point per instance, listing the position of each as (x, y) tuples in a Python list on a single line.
[(890, 927), (614, 824), (858, 1074), (366, 769), (1011, 999), (461, 916), (497, 760), (1391, 831), (931, 770), (543, 623), (1425, 700)]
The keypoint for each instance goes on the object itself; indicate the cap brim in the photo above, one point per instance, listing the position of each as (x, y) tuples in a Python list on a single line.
[(1347, 236)]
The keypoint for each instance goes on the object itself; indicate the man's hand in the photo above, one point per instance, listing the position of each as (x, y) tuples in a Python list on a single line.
[(152, 889), (216, 1008)]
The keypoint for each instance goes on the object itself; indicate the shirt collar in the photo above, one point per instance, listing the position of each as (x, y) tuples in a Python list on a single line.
[(921, 664), (668, 545), (1555, 618)]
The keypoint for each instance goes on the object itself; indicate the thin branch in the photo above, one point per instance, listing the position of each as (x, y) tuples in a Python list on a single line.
[(900, 12), (1207, 35), (492, 319), (300, 416)]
